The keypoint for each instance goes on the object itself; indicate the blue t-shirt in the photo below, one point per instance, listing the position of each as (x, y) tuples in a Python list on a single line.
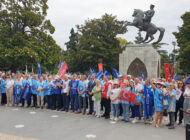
[(170, 98), (17, 87), (73, 85), (158, 98), (35, 86), (3, 86), (41, 85), (82, 86), (57, 89), (48, 89)]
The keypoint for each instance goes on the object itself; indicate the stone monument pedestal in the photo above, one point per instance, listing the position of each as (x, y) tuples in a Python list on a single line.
[(137, 58)]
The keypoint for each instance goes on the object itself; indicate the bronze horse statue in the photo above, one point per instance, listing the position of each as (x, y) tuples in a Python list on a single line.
[(142, 25)]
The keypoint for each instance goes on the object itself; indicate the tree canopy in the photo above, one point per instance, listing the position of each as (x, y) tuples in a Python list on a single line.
[(95, 40), (25, 35), (183, 40)]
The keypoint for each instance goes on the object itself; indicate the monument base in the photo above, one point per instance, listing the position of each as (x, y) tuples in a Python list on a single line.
[(137, 58)]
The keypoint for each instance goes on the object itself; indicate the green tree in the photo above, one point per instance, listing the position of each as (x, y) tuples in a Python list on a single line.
[(183, 40), (25, 35), (97, 40)]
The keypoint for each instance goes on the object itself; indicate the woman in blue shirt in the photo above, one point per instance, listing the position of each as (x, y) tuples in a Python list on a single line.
[(158, 104)]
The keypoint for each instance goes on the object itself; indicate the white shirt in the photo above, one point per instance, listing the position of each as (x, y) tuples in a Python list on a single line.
[(9, 83), (187, 91), (113, 94), (65, 88), (178, 94)]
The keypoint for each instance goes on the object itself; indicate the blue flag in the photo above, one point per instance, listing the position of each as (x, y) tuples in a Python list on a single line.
[(115, 72), (106, 72), (142, 75), (60, 64), (176, 77), (93, 72), (68, 73), (187, 80), (99, 75), (39, 70)]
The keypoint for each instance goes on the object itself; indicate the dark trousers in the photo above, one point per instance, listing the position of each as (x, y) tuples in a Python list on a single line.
[(65, 101), (3, 98), (74, 101), (132, 111), (34, 98), (56, 101), (82, 104), (48, 100), (178, 106), (22, 101), (91, 109), (107, 106), (29, 101), (171, 118)]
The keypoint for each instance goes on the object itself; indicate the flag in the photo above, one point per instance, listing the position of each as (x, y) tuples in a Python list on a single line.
[(100, 67), (187, 80), (172, 71), (68, 73), (167, 71), (91, 70), (106, 72), (176, 77), (62, 70), (99, 75), (39, 70), (89, 77), (142, 75), (115, 72), (60, 64)]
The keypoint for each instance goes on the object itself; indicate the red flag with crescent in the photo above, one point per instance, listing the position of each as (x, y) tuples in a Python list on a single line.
[(167, 71), (63, 70)]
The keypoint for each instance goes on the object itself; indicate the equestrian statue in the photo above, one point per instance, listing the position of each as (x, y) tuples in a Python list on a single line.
[(142, 20)]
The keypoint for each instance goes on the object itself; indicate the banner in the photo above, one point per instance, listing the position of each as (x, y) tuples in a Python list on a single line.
[(39, 70), (172, 71), (167, 71), (106, 72), (99, 75), (62, 70), (100, 67)]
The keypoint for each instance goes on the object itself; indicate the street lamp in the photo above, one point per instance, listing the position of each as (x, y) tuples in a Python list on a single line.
[(174, 59)]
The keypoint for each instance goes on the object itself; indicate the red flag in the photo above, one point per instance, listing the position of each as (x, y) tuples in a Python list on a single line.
[(167, 71), (172, 71), (63, 70), (100, 66)]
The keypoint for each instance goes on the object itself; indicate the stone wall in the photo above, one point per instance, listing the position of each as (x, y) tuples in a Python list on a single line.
[(146, 53)]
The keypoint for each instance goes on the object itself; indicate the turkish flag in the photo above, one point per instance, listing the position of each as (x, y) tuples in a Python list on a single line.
[(63, 70), (100, 67), (133, 98), (167, 71), (172, 71)]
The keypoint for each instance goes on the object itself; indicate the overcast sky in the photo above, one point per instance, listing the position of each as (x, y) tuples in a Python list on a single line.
[(65, 14)]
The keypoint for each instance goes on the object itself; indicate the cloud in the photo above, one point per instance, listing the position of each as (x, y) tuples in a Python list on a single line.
[(66, 14)]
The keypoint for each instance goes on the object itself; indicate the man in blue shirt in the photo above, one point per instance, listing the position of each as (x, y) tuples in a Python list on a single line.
[(82, 95), (56, 96), (73, 85), (34, 89)]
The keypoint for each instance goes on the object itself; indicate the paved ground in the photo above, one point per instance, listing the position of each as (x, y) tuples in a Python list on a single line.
[(28, 124)]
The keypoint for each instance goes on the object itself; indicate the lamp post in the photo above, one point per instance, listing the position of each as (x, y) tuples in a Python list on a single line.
[(174, 59)]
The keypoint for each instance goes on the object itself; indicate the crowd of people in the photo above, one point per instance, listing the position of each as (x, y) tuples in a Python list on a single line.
[(130, 97)]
